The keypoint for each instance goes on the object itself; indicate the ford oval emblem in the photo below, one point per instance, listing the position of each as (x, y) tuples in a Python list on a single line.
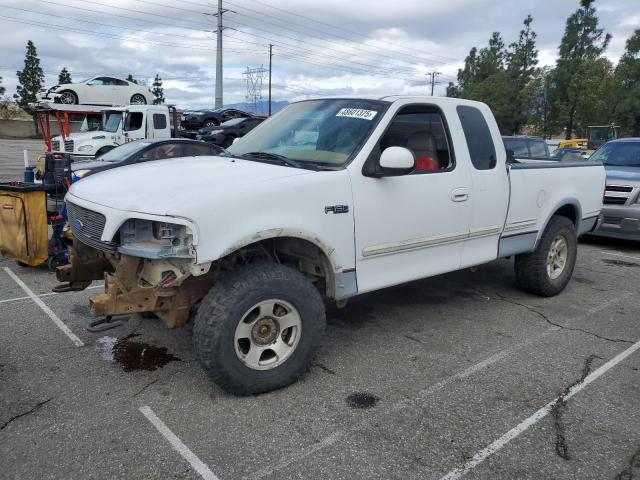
[(78, 225)]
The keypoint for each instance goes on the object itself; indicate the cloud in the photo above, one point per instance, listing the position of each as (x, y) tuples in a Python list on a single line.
[(359, 47)]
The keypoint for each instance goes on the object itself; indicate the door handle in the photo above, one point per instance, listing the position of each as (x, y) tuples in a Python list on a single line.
[(460, 195)]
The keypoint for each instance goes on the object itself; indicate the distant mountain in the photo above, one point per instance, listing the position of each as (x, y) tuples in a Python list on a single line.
[(263, 106)]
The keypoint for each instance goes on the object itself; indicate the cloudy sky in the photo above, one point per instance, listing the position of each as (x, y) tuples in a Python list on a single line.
[(321, 47)]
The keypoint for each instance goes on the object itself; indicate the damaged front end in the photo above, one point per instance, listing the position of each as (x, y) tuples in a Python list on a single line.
[(149, 267)]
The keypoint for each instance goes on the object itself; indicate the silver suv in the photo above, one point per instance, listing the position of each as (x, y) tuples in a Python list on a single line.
[(621, 211)]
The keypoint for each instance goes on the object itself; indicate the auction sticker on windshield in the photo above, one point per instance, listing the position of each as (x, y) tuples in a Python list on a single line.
[(357, 113)]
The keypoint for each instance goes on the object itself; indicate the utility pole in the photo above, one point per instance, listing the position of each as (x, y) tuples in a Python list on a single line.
[(218, 101), (270, 61), (434, 76)]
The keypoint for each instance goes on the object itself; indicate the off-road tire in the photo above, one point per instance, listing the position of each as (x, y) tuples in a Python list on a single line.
[(224, 307), (531, 268)]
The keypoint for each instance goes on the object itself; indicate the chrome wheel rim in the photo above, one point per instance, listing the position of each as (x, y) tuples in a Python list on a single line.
[(67, 98), (268, 334), (557, 257), (137, 100)]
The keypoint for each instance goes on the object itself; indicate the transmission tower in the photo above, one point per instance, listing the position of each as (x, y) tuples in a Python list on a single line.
[(253, 77)]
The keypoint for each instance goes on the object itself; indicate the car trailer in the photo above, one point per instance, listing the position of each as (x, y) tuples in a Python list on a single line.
[(46, 113)]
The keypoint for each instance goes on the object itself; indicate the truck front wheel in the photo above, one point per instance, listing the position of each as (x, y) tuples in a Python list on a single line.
[(258, 328), (547, 270)]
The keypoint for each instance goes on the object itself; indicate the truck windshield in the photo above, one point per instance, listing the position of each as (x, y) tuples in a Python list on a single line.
[(321, 132), (618, 154), (112, 121)]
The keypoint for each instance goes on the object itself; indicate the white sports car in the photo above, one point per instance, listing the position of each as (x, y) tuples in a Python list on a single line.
[(97, 91)]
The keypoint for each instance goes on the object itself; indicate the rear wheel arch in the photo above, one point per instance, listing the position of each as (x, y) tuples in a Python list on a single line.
[(569, 209)]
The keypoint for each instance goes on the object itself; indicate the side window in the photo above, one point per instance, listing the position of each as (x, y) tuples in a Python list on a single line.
[(538, 149), (479, 139), (119, 83), (518, 145), (97, 81), (196, 149), (422, 130), (159, 121), (169, 150), (134, 121)]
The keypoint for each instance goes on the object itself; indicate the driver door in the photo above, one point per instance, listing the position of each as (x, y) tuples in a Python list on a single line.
[(412, 225)]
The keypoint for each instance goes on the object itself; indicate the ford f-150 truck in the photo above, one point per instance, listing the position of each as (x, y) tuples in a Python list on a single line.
[(329, 198)]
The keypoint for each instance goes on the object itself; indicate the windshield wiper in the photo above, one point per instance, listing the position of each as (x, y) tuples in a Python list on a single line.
[(281, 159)]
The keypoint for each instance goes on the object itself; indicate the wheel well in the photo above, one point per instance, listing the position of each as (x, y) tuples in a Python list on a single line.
[(568, 211), (298, 253)]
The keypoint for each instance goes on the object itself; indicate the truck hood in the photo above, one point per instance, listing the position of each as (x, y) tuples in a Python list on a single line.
[(172, 187), (623, 173)]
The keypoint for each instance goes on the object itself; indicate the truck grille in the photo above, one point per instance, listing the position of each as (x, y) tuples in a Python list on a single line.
[(68, 145), (614, 200), (617, 194), (55, 145), (87, 226)]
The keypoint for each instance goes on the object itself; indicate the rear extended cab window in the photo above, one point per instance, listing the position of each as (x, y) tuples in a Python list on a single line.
[(479, 140)]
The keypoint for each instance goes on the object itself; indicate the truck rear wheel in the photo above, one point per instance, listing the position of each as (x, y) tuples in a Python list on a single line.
[(547, 270), (258, 328)]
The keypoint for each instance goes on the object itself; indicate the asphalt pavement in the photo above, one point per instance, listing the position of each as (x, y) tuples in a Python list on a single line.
[(460, 375)]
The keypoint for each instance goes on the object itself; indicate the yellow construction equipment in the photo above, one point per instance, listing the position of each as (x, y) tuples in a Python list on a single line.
[(23, 223)]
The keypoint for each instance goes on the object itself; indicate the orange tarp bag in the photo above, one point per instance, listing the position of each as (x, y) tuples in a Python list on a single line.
[(23, 223)]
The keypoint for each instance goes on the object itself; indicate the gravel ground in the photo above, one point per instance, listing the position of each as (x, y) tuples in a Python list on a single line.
[(412, 382)]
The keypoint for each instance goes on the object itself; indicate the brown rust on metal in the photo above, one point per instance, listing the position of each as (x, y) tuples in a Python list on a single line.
[(172, 304), (85, 265)]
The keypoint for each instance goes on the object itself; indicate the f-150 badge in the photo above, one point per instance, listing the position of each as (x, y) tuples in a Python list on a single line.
[(336, 209)]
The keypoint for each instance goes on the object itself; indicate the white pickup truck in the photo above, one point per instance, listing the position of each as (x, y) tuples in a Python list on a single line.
[(328, 198), (119, 125)]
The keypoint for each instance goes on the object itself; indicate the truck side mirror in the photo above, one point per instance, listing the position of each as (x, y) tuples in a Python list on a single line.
[(392, 162), (397, 158)]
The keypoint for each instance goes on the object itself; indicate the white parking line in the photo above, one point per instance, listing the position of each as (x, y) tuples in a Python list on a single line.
[(620, 255), (486, 452), (59, 323), (49, 294), (424, 394), (180, 447)]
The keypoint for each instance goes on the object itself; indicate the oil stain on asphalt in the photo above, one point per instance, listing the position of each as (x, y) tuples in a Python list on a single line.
[(132, 355), (362, 400)]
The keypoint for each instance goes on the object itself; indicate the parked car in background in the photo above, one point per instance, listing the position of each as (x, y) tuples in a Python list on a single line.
[(527, 149), (143, 151), (621, 210), (225, 133), (194, 120), (97, 91)]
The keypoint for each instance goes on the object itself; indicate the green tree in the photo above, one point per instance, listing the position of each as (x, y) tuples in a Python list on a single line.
[(539, 107), (2, 89), (583, 41), (131, 79), (627, 79), (64, 76), (522, 59), (30, 79), (157, 90)]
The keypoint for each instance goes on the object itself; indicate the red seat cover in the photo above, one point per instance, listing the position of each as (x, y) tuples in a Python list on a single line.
[(426, 164)]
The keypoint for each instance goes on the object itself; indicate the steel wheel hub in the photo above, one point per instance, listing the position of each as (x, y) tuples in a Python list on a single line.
[(267, 334), (557, 257)]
